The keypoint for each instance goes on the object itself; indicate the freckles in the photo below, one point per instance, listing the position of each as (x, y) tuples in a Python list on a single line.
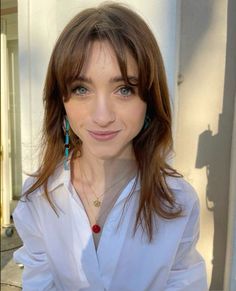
[(138, 111), (134, 115), (76, 111)]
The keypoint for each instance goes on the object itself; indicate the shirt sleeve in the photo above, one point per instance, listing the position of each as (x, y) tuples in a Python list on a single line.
[(188, 272), (36, 273)]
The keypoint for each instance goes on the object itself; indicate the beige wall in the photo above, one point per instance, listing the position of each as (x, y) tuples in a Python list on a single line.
[(204, 124)]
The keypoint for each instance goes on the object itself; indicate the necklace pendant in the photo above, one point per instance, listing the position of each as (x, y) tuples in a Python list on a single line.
[(96, 228), (97, 203)]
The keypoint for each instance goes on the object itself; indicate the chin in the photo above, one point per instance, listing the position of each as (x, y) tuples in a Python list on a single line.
[(123, 153), (104, 155)]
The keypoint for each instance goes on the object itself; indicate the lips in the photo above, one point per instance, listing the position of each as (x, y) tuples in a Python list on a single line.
[(103, 135)]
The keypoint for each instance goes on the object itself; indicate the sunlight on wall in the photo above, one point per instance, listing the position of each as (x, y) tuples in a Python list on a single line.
[(202, 64)]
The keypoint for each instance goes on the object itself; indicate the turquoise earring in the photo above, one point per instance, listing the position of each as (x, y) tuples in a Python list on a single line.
[(67, 142), (147, 122)]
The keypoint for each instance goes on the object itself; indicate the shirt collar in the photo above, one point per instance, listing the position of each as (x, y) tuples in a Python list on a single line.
[(59, 177)]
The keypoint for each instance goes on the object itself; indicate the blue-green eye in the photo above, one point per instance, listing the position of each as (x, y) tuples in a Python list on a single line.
[(126, 91), (80, 90)]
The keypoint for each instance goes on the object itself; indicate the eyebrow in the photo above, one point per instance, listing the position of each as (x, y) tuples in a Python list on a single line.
[(116, 79)]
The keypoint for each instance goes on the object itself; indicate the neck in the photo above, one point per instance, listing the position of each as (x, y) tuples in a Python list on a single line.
[(102, 174)]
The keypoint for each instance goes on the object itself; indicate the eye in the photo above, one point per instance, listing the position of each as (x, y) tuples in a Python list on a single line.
[(80, 90), (126, 91)]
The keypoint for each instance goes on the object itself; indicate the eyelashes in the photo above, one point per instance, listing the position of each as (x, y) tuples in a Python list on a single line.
[(126, 90), (80, 90), (123, 91)]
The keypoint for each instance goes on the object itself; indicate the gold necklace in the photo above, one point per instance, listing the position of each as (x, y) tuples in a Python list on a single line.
[(97, 202), (96, 228)]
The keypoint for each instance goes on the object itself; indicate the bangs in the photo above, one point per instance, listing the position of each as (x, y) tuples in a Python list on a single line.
[(74, 47), (75, 61)]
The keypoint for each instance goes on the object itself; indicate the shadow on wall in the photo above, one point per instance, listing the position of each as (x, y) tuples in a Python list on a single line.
[(214, 154)]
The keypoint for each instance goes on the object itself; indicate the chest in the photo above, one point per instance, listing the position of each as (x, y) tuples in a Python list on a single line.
[(97, 208), (119, 256)]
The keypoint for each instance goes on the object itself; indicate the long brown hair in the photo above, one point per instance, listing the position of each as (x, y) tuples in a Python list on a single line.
[(124, 29)]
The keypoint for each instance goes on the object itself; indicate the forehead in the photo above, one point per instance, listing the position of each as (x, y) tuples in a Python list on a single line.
[(101, 57)]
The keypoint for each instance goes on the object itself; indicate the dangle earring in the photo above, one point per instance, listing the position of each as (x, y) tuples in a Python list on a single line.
[(147, 122), (67, 142)]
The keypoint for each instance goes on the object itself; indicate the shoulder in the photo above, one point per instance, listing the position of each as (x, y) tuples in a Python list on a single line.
[(54, 180), (37, 195), (184, 193), (28, 183), (187, 198), (24, 205)]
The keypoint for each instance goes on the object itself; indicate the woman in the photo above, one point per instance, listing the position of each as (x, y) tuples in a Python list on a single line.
[(105, 211)]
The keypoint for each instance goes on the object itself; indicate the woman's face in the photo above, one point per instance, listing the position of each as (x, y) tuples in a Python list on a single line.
[(103, 111)]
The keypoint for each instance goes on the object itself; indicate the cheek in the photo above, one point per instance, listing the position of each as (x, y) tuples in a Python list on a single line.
[(136, 116), (75, 115)]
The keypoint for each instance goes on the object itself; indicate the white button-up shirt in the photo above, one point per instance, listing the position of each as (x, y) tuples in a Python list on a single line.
[(58, 252)]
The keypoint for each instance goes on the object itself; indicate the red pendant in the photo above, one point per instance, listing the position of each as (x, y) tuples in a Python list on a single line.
[(96, 228)]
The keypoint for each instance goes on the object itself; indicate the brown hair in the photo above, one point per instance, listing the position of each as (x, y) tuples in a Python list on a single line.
[(124, 29)]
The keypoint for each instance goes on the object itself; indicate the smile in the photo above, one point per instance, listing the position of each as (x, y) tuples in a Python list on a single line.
[(103, 135)]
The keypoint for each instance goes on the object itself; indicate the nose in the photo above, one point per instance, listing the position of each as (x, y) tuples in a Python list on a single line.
[(103, 112)]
